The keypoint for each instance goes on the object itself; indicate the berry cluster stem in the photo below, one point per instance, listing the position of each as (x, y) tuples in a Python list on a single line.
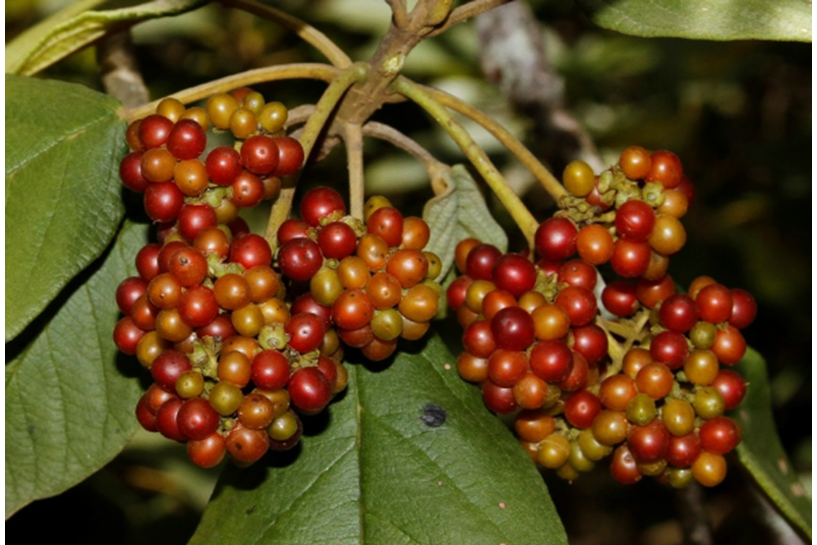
[(550, 183), (519, 212), (333, 94), (316, 71)]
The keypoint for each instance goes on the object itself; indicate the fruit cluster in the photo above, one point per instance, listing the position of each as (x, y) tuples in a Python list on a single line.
[(239, 344), (371, 280), (635, 372)]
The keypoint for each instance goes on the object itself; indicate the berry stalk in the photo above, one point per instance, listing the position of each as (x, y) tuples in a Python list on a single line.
[(519, 212), (545, 177), (317, 71), (356, 73)]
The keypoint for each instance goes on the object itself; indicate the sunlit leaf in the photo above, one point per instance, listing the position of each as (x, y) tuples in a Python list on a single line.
[(79, 25), (63, 195), (786, 20)]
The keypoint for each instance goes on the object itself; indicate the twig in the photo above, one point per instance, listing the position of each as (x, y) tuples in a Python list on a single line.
[(120, 72), (306, 32), (399, 13), (323, 72), (519, 212)]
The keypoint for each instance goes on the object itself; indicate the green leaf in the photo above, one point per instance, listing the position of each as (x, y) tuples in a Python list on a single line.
[(785, 20), (760, 450), (77, 26), (63, 195), (457, 213), (69, 407), (378, 474)]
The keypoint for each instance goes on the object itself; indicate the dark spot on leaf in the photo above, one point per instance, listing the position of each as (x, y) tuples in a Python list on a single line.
[(31, 430), (251, 510), (433, 415)]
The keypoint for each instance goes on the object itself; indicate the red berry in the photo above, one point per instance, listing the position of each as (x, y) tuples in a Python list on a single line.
[(154, 131), (666, 168), (619, 298), (551, 360), (581, 409), (186, 140), (480, 262), (197, 419), (299, 259), (512, 327), (305, 332), (163, 201), (320, 202), (720, 435), (259, 154), (579, 304), (223, 165), (387, 223), (555, 239), (714, 303), (290, 156), (270, 370), (744, 309), (130, 172), (250, 250), (309, 390), (678, 313), (635, 220)]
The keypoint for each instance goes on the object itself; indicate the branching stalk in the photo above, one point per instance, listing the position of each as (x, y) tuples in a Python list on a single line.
[(545, 177), (303, 30), (353, 140), (631, 331), (312, 130), (317, 71), (329, 100), (519, 212), (399, 13)]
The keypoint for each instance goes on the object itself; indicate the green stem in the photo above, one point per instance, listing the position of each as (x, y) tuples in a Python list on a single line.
[(312, 129), (545, 177), (306, 32), (519, 212), (317, 71), (356, 73)]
